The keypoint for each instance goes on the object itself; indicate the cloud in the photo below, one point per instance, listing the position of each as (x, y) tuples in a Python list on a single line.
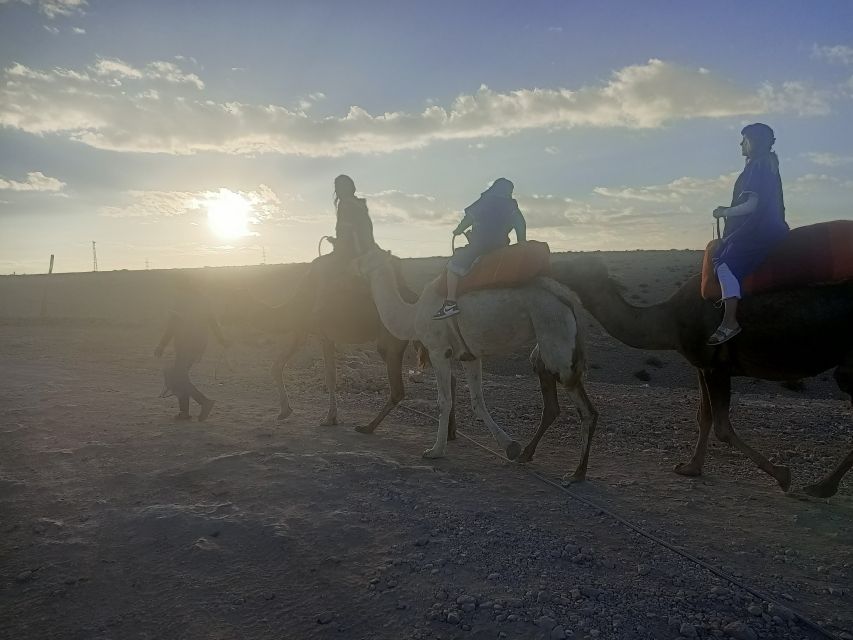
[(51, 29), (677, 191), (839, 54), (94, 107), (157, 70), (265, 203), (54, 8), (392, 206), (78, 30), (552, 150), (796, 98), (828, 159), (36, 181)]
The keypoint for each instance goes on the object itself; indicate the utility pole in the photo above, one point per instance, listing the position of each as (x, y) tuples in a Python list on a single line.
[(94, 257), (263, 254)]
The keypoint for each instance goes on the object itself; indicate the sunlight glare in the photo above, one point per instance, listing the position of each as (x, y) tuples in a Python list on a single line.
[(228, 214)]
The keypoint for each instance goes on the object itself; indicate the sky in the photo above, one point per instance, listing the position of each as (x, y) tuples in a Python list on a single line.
[(190, 134)]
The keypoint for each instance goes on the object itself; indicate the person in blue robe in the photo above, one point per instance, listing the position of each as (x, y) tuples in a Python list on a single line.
[(490, 219), (755, 223)]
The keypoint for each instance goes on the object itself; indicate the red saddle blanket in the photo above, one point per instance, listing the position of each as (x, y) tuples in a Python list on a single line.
[(815, 254), (510, 266)]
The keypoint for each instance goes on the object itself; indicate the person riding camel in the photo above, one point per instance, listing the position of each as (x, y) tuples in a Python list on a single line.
[(490, 218), (755, 223), (353, 227)]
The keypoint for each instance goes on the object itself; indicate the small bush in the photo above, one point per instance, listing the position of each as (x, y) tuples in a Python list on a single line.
[(643, 375), (654, 361)]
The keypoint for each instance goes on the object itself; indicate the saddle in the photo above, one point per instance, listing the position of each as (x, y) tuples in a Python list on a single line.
[(510, 266), (815, 254)]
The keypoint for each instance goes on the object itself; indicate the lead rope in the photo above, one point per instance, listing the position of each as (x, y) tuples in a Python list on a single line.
[(684, 554), (320, 246)]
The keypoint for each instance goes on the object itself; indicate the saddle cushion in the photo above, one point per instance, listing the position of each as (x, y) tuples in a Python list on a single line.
[(509, 266), (819, 253)]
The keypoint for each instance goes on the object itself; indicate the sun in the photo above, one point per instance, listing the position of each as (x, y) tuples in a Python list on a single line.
[(228, 214)]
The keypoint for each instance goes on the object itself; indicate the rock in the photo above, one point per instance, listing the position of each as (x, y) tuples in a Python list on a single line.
[(542, 596), (24, 576), (440, 595), (558, 633), (755, 609), (468, 607), (643, 569), (453, 617), (783, 612), (494, 576), (740, 631), (422, 541), (464, 599), (546, 623), (687, 630), (325, 617)]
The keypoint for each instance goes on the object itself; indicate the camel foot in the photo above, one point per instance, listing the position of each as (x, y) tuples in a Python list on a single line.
[(285, 414), (526, 455), (783, 477), (330, 421), (690, 469), (433, 453), (365, 428), (451, 435), (821, 490), (206, 408), (181, 417), (572, 478), (513, 450)]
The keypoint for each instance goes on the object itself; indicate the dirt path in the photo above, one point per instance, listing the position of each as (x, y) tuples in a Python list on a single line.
[(118, 523)]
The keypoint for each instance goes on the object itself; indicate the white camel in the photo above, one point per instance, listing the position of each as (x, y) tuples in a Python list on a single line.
[(492, 322)]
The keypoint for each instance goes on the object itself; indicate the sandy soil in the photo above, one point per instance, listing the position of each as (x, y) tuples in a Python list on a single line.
[(116, 522)]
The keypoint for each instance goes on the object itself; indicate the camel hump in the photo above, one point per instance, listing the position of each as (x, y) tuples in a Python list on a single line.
[(815, 254), (510, 266)]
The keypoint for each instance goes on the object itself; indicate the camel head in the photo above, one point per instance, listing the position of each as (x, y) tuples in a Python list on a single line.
[(585, 274), (371, 261)]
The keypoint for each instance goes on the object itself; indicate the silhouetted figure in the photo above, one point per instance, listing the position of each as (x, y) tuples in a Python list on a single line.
[(490, 218), (189, 323), (755, 223), (353, 227)]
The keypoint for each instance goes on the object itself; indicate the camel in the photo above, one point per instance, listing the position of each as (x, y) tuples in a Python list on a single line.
[(787, 335), (492, 322), (347, 315)]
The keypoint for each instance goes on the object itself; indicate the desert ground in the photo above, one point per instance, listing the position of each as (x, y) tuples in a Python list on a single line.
[(117, 522)]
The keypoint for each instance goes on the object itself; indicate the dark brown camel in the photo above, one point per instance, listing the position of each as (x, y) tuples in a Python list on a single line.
[(347, 315), (786, 335)]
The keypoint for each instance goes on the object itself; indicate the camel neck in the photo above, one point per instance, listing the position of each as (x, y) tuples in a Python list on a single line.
[(397, 315), (640, 327)]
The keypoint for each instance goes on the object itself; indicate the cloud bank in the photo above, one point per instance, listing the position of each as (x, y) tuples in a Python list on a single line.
[(113, 105)]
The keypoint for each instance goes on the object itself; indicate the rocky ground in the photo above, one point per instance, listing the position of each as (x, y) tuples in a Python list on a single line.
[(116, 522)]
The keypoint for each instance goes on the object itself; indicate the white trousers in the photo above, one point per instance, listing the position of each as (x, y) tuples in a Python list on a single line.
[(728, 282)]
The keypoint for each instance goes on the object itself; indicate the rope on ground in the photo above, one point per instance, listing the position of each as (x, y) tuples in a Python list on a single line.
[(650, 536)]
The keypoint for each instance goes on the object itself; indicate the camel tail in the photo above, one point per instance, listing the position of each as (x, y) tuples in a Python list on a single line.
[(570, 299)]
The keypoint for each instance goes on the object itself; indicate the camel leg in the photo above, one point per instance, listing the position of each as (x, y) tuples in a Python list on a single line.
[(828, 485), (550, 410), (443, 375), (719, 390), (589, 418), (474, 374), (331, 383), (288, 347), (451, 426), (392, 354), (704, 418)]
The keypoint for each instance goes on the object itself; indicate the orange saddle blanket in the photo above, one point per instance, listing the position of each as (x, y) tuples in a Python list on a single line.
[(509, 266), (819, 253)]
